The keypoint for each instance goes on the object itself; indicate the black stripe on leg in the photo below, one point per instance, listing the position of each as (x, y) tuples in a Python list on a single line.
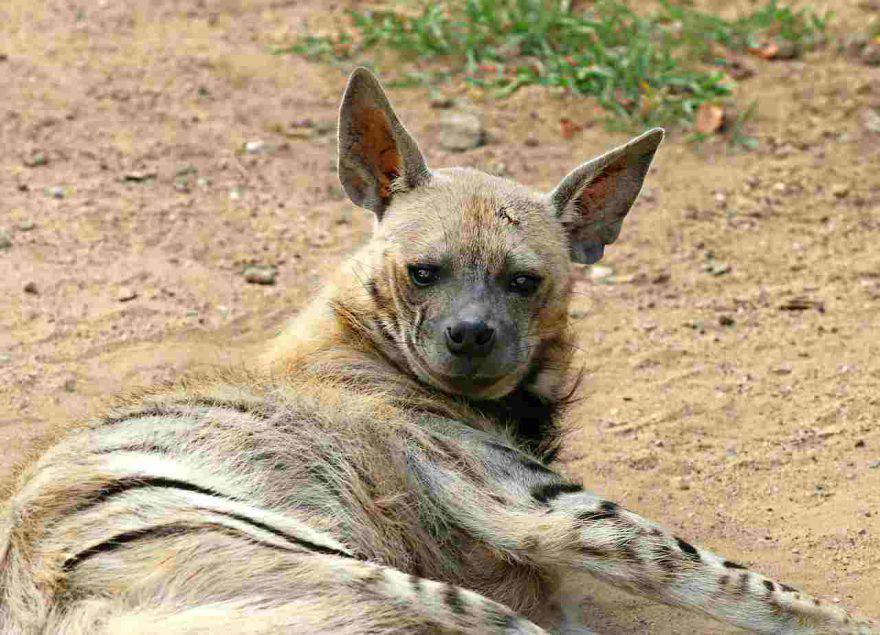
[(119, 541), (607, 511), (732, 565), (123, 485), (549, 491), (743, 583), (300, 542), (667, 558), (688, 549)]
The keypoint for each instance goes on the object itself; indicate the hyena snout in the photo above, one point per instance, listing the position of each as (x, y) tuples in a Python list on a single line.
[(473, 337)]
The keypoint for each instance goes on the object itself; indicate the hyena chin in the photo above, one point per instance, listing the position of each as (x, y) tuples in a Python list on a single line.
[(383, 470)]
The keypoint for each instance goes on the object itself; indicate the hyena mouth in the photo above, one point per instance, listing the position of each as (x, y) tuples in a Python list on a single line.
[(469, 383)]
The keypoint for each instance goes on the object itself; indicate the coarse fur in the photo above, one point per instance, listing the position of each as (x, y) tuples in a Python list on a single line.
[(384, 468)]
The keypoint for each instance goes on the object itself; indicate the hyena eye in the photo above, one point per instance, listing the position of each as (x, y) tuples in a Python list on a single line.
[(524, 284), (423, 275)]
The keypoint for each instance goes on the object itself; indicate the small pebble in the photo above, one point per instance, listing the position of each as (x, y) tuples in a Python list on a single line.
[(260, 274), (56, 191), (439, 101), (716, 268), (26, 225), (138, 176), (256, 146), (601, 273), (874, 465), (871, 120), (69, 385), (871, 54), (460, 130), (5, 240), (840, 190), (31, 288), (5, 358), (726, 320), (35, 160), (125, 294)]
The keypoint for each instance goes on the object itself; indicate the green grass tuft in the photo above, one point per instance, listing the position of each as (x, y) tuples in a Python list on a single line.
[(643, 69)]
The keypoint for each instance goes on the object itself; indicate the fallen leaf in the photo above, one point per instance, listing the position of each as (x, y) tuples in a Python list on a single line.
[(710, 118), (568, 128), (768, 51)]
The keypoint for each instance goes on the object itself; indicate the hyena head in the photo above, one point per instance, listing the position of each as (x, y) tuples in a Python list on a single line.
[(469, 275)]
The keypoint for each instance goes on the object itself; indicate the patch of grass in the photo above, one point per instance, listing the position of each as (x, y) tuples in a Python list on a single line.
[(643, 69)]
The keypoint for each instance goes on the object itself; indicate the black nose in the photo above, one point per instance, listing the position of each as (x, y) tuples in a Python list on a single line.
[(470, 337)]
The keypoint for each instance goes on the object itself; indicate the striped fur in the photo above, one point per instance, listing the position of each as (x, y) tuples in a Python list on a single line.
[(340, 486)]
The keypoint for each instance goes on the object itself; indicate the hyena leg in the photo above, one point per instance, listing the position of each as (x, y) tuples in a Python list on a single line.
[(520, 507), (308, 594)]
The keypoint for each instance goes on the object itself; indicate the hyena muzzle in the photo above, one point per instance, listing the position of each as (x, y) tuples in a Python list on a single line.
[(384, 468)]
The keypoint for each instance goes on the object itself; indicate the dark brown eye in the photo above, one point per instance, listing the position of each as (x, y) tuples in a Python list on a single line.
[(524, 284), (423, 275)]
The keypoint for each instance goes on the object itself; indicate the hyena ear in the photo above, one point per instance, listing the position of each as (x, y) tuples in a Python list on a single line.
[(377, 156), (593, 200)]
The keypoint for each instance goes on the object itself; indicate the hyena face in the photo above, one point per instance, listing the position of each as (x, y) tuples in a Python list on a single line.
[(471, 273)]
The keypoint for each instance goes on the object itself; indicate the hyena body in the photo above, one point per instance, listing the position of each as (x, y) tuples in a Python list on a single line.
[(385, 470)]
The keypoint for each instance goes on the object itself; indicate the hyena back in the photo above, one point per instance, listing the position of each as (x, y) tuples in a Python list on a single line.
[(384, 470)]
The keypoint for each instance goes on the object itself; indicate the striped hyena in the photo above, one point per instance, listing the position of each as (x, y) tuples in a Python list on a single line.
[(385, 470)]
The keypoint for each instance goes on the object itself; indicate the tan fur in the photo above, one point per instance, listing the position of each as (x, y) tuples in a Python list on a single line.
[(343, 485)]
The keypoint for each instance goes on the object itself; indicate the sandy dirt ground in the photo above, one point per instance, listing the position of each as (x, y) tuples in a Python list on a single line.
[(741, 409)]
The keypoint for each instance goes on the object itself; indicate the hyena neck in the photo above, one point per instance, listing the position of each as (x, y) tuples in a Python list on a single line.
[(337, 336)]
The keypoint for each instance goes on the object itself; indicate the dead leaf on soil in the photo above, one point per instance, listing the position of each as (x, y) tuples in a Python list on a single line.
[(768, 51), (568, 128), (710, 118)]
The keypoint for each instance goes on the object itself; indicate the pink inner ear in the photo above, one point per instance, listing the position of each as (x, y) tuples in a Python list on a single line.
[(603, 186), (376, 147)]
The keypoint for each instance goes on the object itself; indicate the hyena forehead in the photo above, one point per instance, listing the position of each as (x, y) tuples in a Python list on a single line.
[(463, 216)]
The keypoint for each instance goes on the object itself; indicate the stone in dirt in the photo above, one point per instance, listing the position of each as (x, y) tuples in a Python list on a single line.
[(138, 176), (126, 294), (461, 130), (5, 240), (871, 120), (601, 273), (260, 274), (257, 146), (35, 160), (871, 54), (802, 303), (31, 288)]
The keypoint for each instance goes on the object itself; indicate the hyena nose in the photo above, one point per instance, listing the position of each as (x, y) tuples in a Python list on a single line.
[(470, 337)]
